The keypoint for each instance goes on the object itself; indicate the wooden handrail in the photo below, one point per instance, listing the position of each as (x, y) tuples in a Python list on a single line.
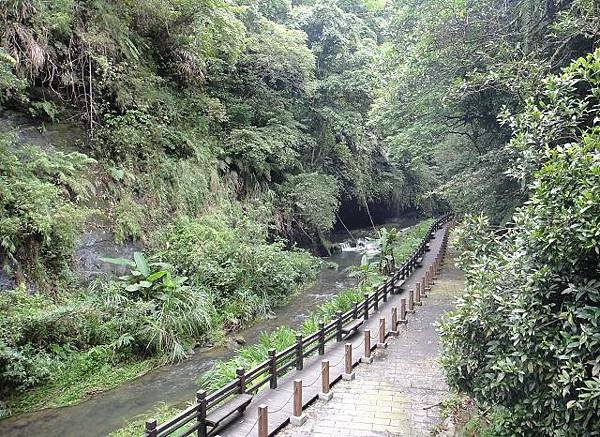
[(287, 358)]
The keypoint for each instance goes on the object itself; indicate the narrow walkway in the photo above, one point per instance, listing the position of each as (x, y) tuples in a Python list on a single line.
[(399, 394), (279, 401)]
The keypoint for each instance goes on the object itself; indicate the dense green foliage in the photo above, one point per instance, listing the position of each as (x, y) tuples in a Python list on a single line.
[(221, 251), (190, 101), (217, 135), (451, 68), (525, 338), (153, 312)]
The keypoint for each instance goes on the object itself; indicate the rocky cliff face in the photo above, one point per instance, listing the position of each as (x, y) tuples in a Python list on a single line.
[(96, 240)]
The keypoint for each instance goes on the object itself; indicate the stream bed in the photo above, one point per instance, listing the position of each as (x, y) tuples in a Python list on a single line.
[(175, 384)]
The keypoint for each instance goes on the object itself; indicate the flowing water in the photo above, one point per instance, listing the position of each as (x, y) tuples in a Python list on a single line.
[(175, 384)]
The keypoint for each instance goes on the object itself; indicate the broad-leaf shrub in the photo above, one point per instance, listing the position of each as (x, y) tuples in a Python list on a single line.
[(525, 337), (176, 314)]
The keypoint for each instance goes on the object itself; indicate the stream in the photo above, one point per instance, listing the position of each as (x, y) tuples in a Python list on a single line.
[(175, 384)]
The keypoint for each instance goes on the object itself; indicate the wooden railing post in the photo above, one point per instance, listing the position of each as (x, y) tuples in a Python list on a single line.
[(339, 335), (325, 394), (385, 291), (241, 375), (298, 418), (366, 315), (394, 330), (355, 310), (403, 311), (321, 338), (273, 368), (367, 358), (201, 418), (348, 373), (299, 352), (376, 302), (150, 428), (263, 420), (382, 344)]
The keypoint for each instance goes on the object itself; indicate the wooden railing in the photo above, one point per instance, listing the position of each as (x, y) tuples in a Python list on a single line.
[(194, 418)]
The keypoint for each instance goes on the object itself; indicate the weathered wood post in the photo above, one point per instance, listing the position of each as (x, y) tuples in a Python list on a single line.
[(419, 291), (263, 420), (376, 301), (366, 315), (355, 310), (241, 376), (382, 344), (385, 291), (299, 353), (273, 368), (325, 394), (367, 358), (201, 418), (394, 330), (418, 297), (411, 301), (423, 286), (321, 338), (348, 373), (150, 428), (298, 417), (403, 311), (339, 325)]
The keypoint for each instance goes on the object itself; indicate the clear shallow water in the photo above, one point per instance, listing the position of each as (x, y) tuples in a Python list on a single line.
[(175, 384)]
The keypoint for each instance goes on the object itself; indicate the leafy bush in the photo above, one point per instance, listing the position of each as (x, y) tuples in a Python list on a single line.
[(36, 335), (230, 256), (11, 87), (525, 338), (174, 316)]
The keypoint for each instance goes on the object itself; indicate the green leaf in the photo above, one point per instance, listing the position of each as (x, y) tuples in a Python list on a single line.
[(118, 261), (156, 275), (141, 263)]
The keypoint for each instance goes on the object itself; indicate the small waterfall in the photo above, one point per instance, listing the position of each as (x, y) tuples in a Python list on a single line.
[(346, 246), (362, 245)]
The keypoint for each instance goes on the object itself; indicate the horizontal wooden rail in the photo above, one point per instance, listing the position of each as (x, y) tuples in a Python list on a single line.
[(292, 357)]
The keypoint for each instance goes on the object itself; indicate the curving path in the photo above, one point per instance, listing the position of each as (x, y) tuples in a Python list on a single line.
[(279, 401), (400, 393)]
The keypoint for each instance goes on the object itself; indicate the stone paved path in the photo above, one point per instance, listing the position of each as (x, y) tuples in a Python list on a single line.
[(399, 393), (279, 400)]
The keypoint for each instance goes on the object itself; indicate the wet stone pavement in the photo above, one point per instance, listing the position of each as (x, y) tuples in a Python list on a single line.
[(400, 392)]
